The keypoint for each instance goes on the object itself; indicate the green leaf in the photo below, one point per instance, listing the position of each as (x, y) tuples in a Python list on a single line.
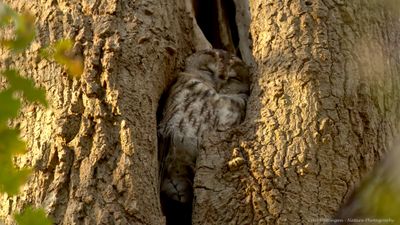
[(26, 86), (61, 53), (10, 143), (6, 15), (32, 216), (9, 106), (24, 31), (11, 178)]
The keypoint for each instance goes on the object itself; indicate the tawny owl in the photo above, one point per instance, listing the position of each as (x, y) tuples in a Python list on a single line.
[(210, 94)]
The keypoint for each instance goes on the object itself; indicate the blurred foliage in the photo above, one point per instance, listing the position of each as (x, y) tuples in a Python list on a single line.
[(17, 86), (31, 216), (61, 53), (25, 86), (24, 29), (10, 178), (379, 196)]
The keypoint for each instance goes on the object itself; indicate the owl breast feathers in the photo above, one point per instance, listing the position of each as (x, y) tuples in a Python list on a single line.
[(210, 94)]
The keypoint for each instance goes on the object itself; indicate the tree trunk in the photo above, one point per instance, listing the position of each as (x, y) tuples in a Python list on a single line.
[(322, 112)]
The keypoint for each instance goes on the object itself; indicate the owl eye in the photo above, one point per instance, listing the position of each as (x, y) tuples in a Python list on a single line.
[(206, 69), (236, 79)]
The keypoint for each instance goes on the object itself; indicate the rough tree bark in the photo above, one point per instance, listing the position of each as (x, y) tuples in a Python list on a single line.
[(322, 111)]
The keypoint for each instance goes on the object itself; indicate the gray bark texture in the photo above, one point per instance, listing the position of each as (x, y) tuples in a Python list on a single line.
[(323, 110)]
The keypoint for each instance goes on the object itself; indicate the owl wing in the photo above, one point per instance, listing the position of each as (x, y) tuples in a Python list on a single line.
[(178, 141), (178, 170)]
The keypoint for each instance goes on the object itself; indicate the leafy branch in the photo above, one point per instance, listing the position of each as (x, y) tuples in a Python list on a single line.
[(11, 178)]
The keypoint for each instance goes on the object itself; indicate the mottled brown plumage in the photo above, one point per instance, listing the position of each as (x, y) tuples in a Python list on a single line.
[(210, 94)]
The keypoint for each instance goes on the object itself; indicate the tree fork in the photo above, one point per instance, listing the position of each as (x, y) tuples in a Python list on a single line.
[(323, 110)]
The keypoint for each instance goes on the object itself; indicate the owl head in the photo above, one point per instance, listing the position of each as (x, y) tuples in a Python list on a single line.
[(225, 72)]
